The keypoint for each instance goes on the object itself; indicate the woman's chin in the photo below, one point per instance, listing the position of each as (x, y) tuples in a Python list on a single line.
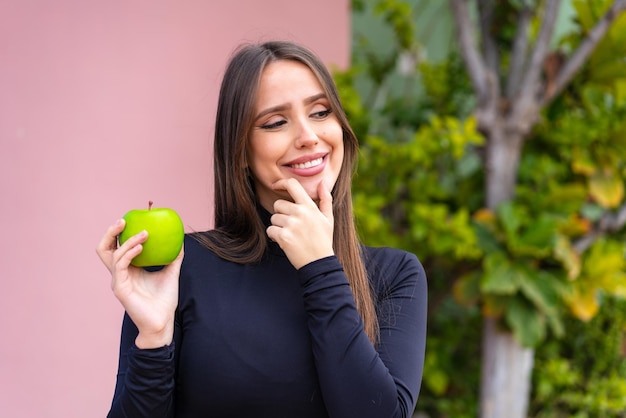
[(313, 195)]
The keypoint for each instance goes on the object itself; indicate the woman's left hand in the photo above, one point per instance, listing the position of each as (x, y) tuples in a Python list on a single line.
[(302, 229)]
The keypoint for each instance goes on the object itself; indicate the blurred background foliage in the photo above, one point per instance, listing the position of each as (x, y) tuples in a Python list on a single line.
[(420, 187)]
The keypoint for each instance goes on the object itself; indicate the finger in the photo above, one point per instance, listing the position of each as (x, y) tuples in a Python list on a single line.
[(127, 256), (139, 238), (326, 200), (279, 219), (272, 232), (130, 246), (282, 206), (122, 258), (108, 243), (294, 188)]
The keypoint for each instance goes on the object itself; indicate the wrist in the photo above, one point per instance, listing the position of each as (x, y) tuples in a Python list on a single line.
[(310, 260), (147, 340)]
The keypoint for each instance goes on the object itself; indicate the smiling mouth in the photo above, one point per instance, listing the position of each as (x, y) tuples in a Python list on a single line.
[(308, 164)]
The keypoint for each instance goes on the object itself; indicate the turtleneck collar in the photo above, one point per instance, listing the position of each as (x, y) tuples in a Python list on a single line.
[(265, 217)]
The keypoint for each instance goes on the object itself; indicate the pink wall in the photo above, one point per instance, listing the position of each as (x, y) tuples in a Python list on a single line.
[(103, 106)]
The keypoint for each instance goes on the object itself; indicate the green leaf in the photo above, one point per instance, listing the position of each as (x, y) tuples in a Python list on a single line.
[(541, 289), (583, 301), (510, 218), (605, 258), (569, 258), (500, 276), (486, 239), (604, 267), (540, 233), (544, 291), (537, 239), (606, 189), (527, 324)]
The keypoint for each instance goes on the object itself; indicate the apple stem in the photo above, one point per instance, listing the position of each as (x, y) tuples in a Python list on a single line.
[(150, 204)]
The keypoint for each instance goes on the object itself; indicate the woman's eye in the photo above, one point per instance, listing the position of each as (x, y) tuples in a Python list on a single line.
[(322, 114), (273, 125)]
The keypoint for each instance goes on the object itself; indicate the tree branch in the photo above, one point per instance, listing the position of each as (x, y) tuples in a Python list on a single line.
[(542, 45), (520, 48), (526, 105), (585, 49), (490, 50), (473, 60), (609, 222)]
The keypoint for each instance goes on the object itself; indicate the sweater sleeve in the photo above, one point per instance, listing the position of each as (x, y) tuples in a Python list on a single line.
[(145, 378), (356, 378)]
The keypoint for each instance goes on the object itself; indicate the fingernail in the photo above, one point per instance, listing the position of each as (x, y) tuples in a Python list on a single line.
[(118, 222)]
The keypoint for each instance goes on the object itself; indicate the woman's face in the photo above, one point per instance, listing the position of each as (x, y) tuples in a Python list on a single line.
[(295, 134)]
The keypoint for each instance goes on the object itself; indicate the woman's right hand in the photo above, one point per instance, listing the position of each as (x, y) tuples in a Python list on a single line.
[(149, 298)]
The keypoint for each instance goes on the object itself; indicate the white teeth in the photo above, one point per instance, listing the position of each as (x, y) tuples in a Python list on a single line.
[(309, 164)]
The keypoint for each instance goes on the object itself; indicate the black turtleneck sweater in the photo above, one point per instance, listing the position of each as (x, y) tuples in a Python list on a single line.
[(267, 340)]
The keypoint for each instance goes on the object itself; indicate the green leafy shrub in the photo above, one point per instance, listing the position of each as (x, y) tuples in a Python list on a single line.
[(419, 186), (583, 375)]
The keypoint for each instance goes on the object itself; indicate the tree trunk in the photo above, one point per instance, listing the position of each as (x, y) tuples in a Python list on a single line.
[(505, 121), (503, 152), (506, 365), (506, 374)]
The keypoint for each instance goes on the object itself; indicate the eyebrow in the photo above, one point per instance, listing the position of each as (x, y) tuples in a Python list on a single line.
[(282, 107)]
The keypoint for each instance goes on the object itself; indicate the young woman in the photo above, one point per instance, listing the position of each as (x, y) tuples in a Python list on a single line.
[(279, 311)]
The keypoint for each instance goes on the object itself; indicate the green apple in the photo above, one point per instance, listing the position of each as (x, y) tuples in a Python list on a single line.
[(165, 235)]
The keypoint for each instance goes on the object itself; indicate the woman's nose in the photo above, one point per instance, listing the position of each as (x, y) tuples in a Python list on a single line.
[(306, 136)]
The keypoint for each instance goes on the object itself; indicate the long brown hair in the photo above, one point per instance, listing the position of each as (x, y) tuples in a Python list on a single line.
[(239, 233)]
